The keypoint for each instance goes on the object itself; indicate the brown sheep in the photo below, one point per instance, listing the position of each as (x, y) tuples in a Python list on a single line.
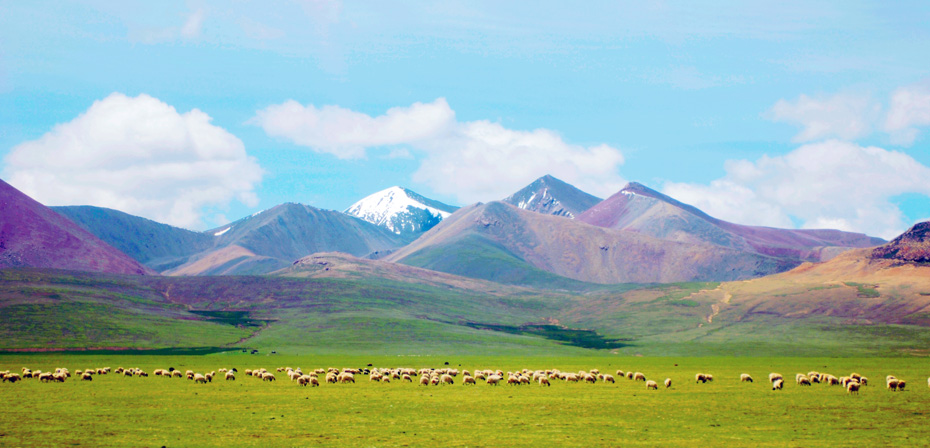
[(700, 378), (852, 388), (901, 385), (87, 377), (893, 384), (652, 385)]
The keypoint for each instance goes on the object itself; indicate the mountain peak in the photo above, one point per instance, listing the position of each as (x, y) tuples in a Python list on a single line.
[(911, 246), (400, 210), (551, 196)]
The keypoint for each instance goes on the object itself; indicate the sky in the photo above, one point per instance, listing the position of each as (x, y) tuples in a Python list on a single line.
[(799, 114)]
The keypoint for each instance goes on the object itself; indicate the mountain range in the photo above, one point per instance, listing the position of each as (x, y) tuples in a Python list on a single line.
[(636, 235)]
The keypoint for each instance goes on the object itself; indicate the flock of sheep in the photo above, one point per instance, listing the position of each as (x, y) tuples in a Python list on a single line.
[(444, 376)]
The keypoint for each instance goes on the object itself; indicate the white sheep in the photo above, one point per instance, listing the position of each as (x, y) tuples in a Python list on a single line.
[(778, 384), (775, 376), (639, 376), (652, 385), (268, 376), (543, 381), (494, 380), (198, 378), (745, 378), (700, 378), (87, 377), (608, 378), (668, 383), (230, 376), (466, 380)]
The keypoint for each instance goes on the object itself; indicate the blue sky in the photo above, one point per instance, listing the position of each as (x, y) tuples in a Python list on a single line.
[(798, 114)]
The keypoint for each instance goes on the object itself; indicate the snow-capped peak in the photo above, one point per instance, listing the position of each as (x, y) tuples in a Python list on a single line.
[(390, 208)]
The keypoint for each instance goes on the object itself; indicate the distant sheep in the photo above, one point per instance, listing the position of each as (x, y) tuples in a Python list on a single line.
[(638, 376), (466, 380), (494, 380), (198, 378), (700, 378), (805, 381), (652, 385), (543, 381), (745, 378), (87, 377), (608, 378), (424, 380), (629, 375), (892, 384), (268, 376), (775, 376), (668, 383), (852, 388), (901, 385), (230, 376), (778, 384)]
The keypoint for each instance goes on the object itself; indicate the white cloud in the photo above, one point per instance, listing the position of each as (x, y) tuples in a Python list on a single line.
[(831, 184), (473, 161), (140, 156), (346, 133), (845, 116), (910, 108), (193, 25)]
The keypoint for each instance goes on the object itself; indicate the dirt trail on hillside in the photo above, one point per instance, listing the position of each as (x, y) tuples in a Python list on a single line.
[(715, 308)]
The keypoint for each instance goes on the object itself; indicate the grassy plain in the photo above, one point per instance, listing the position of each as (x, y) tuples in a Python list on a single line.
[(117, 411)]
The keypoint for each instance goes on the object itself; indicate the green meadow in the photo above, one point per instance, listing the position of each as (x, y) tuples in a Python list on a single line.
[(113, 410)]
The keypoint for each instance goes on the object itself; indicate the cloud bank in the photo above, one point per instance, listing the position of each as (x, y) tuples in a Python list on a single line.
[(140, 156), (473, 161), (831, 184)]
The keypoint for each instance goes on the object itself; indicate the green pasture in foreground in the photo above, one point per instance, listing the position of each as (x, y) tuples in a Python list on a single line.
[(117, 411)]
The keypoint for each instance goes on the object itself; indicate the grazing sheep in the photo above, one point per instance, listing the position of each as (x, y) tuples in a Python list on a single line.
[(901, 385), (590, 378), (652, 385), (700, 378), (314, 382), (804, 381), (176, 374), (87, 377), (494, 380), (45, 377), (621, 374), (775, 376), (778, 384), (710, 378), (893, 384), (863, 381), (346, 377), (543, 381), (198, 378), (571, 377), (13, 377), (638, 376), (855, 376), (629, 375), (852, 387), (608, 378), (745, 378), (303, 380), (230, 376), (209, 377), (424, 380), (268, 376), (386, 379), (668, 383), (406, 377), (466, 380), (832, 380)]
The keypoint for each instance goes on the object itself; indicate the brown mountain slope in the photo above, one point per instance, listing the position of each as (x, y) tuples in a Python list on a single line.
[(33, 235), (637, 208), (856, 287), (489, 240)]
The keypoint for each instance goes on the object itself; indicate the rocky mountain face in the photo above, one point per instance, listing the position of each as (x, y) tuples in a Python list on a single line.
[(551, 196), (401, 211), (637, 208), (912, 246), (33, 235)]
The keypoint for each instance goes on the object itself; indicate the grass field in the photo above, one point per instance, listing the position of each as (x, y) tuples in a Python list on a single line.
[(117, 411)]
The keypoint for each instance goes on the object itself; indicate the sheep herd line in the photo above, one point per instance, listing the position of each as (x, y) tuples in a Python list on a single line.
[(443, 376)]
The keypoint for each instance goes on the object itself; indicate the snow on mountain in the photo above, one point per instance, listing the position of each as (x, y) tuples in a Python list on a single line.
[(400, 210), (551, 196)]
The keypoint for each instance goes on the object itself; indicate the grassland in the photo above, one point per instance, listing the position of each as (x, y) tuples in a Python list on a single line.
[(154, 411)]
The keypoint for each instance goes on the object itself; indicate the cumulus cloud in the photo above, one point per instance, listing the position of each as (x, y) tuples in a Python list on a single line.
[(473, 161), (844, 116), (140, 156), (910, 108), (346, 133), (831, 184)]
